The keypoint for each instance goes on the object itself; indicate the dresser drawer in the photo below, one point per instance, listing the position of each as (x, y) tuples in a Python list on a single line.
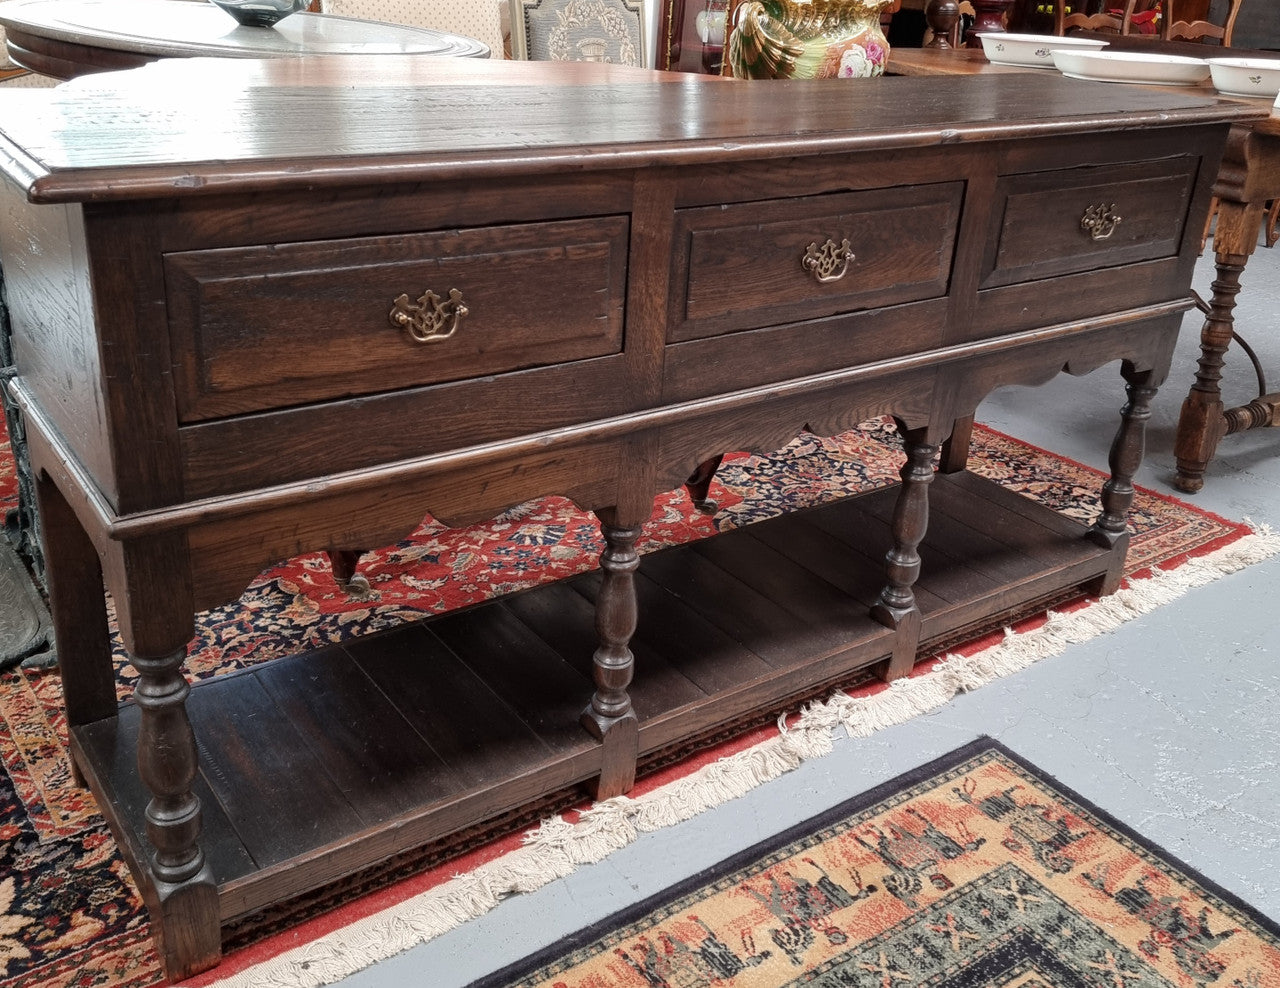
[(1075, 220), (781, 261), (275, 326)]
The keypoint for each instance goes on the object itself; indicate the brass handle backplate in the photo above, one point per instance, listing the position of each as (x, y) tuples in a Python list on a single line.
[(1100, 221), (430, 319), (830, 262)]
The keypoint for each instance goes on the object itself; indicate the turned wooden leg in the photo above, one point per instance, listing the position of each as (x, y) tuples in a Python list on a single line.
[(699, 485), (344, 562), (897, 605), (185, 897), (610, 717), (1111, 529), (1202, 424)]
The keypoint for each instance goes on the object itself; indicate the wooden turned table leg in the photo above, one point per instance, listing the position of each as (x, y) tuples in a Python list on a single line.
[(185, 906), (1111, 529), (1202, 424), (1204, 420), (897, 607), (609, 716)]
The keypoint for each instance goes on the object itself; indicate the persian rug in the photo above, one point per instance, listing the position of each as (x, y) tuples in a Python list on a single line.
[(69, 914), (974, 871)]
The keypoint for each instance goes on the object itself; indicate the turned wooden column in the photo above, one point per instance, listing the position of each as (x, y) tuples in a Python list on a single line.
[(184, 885), (1248, 176), (942, 17), (609, 717), (896, 607), (1111, 529), (1201, 424)]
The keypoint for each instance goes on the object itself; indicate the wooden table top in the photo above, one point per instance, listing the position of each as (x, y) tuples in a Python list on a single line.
[(170, 28), (411, 118), (972, 62)]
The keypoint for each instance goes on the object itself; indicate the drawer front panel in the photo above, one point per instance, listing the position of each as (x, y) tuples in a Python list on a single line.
[(274, 326), (1085, 219), (744, 266)]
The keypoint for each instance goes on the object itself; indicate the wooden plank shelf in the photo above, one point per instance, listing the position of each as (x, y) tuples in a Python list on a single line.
[(401, 738)]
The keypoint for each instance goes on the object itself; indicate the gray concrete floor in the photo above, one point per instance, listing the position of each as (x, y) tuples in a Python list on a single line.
[(1171, 723)]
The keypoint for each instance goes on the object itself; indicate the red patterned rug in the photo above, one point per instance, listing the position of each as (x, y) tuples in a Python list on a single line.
[(69, 914)]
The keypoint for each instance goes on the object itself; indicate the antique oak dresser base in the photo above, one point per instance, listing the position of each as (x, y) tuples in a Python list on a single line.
[(728, 626), (236, 343)]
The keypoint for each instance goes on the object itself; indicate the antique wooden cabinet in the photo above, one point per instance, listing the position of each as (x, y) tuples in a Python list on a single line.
[(312, 305)]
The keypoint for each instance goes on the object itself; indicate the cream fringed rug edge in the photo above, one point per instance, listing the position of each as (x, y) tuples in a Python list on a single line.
[(557, 847)]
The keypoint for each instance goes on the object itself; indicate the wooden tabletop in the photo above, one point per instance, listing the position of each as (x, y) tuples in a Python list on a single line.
[(972, 62), (170, 28), (414, 119)]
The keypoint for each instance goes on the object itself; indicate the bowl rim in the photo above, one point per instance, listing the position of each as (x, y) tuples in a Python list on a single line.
[(1272, 64), (1140, 57), (1038, 39)]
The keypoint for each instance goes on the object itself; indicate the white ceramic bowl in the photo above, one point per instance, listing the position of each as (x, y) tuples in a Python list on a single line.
[(1132, 66), (1246, 76), (1030, 49)]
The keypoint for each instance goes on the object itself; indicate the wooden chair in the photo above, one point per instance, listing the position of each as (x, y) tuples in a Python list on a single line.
[(1103, 21), (578, 31), (1198, 28), (482, 20)]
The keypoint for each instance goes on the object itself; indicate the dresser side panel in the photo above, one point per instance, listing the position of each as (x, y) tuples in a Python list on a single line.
[(51, 309)]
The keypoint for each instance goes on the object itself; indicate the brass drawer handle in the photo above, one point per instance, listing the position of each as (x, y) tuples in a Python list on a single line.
[(430, 319), (830, 262), (1100, 221)]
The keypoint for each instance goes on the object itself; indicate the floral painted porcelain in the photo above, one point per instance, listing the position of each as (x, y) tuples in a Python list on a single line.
[(807, 39)]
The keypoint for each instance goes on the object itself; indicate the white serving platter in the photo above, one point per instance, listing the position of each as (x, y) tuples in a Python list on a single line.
[(1150, 68), (1032, 50), (1246, 76)]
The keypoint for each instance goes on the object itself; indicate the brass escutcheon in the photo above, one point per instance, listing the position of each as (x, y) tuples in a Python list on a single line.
[(830, 262), (1100, 221), (430, 319)]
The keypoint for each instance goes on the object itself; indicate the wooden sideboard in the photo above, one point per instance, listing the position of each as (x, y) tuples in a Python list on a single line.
[(319, 301)]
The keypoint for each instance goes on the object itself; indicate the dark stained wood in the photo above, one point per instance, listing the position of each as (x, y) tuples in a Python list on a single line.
[(699, 484), (466, 724), (78, 610), (108, 748), (897, 606), (330, 701), (489, 753), (563, 615), (546, 692), (246, 738), (194, 284), (238, 315), (1249, 178), (609, 717), (744, 267)]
